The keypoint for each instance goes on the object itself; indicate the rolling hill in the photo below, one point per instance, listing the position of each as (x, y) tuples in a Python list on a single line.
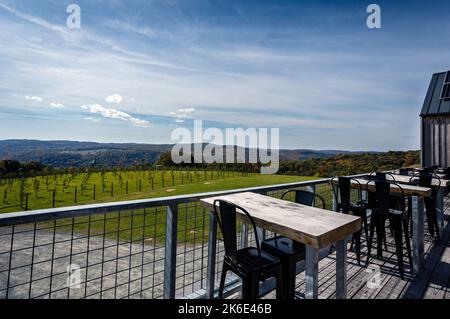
[(76, 154)]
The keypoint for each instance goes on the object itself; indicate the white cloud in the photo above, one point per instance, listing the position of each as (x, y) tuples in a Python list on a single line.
[(57, 105), (115, 114), (115, 98), (34, 98), (91, 119), (181, 114)]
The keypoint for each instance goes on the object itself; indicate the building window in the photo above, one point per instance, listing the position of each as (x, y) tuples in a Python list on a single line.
[(445, 95)]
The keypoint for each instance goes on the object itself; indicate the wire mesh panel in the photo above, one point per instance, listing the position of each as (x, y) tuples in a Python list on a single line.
[(120, 253), (115, 255), (192, 248)]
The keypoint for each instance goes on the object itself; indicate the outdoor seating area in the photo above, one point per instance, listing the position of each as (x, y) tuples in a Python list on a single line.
[(379, 235), (386, 204)]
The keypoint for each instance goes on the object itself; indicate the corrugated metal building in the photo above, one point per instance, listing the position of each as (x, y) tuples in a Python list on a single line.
[(435, 122)]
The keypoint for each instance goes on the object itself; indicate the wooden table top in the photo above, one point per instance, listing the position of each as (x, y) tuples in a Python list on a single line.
[(407, 179), (441, 175), (309, 225), (409, 190)]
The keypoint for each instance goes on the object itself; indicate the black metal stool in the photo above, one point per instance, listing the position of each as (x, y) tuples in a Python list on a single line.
[(398, 220), (288, 251), (251, 264)]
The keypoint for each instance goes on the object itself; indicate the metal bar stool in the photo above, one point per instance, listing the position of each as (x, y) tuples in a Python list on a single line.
[(288, 251), (251, 264)]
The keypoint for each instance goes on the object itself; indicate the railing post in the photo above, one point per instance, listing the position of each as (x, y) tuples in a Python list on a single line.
[(211, 265), (170, 259), (417, 232), (440, 210)]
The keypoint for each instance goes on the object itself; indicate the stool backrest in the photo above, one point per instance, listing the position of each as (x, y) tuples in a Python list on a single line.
[(425, 179), (225, 213), (304, 197), (344, 191), (404, 171), (447, 172), (382, 191)]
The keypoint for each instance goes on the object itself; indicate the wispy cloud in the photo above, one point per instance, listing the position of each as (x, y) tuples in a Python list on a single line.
[(33, 19), (115, 114), (274, 71), (182, 114), (34, 98), (128, 27)]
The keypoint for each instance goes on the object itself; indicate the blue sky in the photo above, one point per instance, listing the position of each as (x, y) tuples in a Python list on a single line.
[(138, 69)]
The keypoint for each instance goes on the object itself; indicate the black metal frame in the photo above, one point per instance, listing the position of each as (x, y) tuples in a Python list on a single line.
[(346, 206), (399, 223), (268, 267), (304, 192)]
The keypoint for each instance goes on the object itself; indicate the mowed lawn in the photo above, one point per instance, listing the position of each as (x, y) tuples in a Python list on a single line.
[(147, 225), (69, 190)]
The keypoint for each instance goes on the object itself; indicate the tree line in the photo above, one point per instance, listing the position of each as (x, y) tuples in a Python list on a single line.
[(344, 164), (350, 164)]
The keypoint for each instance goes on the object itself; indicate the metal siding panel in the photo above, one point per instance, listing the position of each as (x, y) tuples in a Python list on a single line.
[(432, 146), (425, 143), (426, 103), (436, 99), (439, 125), (436, 144), (441, 141), (428, 143), (447, 146), (422, 134)]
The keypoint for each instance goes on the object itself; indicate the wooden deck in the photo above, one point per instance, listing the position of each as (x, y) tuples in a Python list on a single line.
[(433, 281)]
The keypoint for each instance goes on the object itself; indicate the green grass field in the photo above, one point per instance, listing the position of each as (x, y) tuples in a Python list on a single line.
[(83, 188), (140, 225)]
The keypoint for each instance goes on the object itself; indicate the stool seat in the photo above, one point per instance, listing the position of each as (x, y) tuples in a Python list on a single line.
[(284, 247)]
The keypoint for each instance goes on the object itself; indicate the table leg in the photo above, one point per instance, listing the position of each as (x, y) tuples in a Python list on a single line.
[(418, 225), (312, 273), (440, 210), (341, 269)]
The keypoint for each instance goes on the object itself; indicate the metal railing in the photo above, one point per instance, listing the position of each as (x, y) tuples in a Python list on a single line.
[(152, 248)]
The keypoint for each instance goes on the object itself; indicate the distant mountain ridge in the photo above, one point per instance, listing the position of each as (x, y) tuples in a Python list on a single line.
[(76, 154)]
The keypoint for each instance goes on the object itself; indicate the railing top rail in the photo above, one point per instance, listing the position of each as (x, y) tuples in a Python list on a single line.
[(23, 217)]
